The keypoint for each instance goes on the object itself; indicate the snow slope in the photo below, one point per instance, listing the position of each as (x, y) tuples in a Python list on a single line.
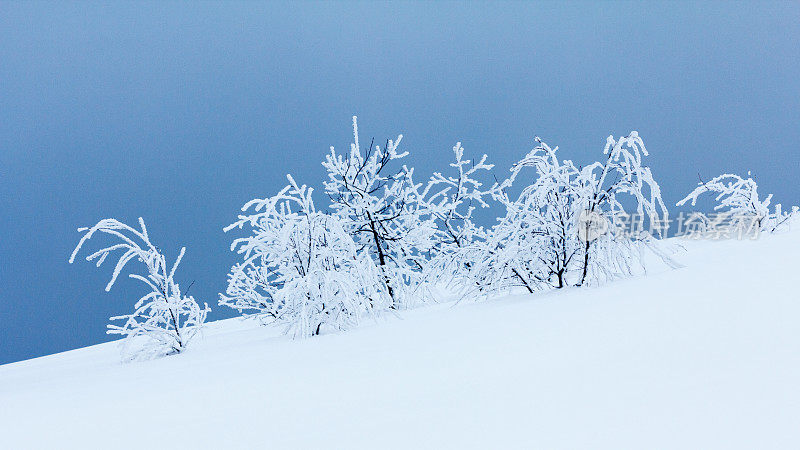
[(706, 356)]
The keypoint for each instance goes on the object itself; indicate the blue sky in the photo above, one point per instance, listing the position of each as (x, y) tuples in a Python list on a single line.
[(181, 112)]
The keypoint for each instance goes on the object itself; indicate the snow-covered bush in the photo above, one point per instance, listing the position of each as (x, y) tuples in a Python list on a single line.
[(301, 268), (607, 187), (380, 207), (538, 234), (739, 205), (542, 241), (449, 201), (164, 320)]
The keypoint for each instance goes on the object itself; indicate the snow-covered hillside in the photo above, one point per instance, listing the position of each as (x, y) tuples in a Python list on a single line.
[(706, 356)]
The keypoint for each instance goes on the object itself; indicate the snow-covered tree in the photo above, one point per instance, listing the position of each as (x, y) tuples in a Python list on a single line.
[(739, 205), (542, 224), (301, 268), (164, 320), (380, 206), (543, 242), (607, 188), (450, 200), (528, 246)]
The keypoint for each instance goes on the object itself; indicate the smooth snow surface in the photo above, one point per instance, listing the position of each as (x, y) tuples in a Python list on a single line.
[(706, 356)]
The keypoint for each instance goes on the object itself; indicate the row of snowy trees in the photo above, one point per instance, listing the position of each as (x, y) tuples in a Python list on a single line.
[(385, 240), (388, 239)]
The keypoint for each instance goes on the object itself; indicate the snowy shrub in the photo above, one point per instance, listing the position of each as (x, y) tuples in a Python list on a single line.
[(606, 188), (164, 320), (537, 238), (301, 268), (380, 207), (449, 202), (542, 241), (739, 205)]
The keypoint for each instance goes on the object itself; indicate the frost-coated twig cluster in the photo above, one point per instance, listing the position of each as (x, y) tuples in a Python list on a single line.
[(164, 321), (738, 202)]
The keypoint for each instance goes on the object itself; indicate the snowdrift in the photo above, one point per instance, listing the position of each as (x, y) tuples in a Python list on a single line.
[(705, 356)]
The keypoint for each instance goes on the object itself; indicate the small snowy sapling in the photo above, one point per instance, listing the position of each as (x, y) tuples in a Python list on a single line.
[(164, 320)]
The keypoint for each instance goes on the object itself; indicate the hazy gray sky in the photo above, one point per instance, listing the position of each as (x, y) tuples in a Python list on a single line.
[(181, 112)]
